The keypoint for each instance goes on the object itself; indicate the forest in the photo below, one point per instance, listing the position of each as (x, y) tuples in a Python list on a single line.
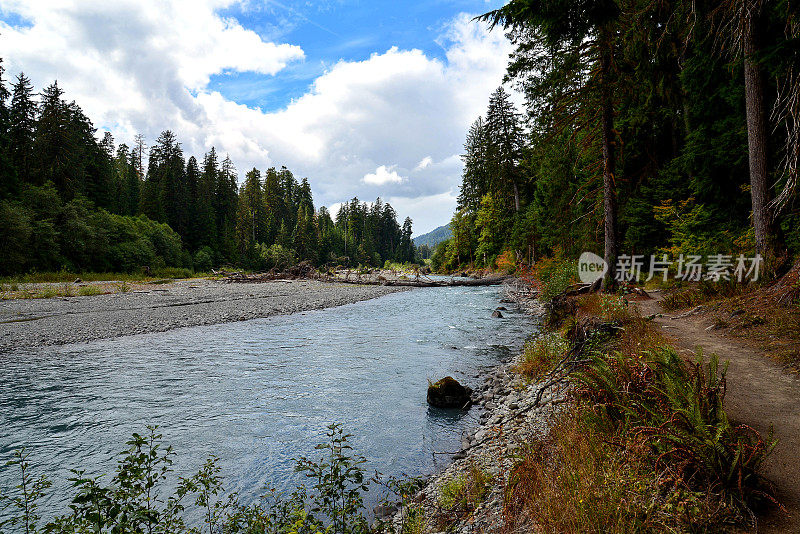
[(69, 201), (648, 128)]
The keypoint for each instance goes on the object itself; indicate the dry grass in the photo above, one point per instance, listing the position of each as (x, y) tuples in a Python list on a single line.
[(646, 446), (540, 355), (582, 480), (88, 291), (461, 495), (759, 319)]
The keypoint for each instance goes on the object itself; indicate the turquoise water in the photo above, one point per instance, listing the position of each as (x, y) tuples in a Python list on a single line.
[(259, 394)]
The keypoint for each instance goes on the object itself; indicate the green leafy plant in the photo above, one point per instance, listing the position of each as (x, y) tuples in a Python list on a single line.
[(676, 408), (338, 483), (24, 508)]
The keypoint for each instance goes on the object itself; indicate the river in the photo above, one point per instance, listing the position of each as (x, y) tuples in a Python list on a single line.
[(258, 394)]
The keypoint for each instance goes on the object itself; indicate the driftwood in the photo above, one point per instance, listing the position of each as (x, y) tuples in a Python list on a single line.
[(489, 281), (306, 271)]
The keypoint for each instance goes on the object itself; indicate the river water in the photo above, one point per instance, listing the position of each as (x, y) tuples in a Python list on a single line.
[(258, 394)]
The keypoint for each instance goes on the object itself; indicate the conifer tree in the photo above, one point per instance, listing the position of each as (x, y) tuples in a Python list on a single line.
[(505, 142), (250, 219), (21, 133), (8, 175)]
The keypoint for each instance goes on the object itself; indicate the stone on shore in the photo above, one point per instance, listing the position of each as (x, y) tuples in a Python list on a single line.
[(448, 393)]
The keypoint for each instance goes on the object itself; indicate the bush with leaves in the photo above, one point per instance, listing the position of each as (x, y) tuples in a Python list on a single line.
[(675, 407), (136, 499)]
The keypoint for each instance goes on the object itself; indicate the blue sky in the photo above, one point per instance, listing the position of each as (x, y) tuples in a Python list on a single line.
[(364, 98), (330, 31)]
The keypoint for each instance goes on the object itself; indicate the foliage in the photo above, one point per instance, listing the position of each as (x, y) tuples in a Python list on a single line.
[(541, 354), (137, 499), (676, 408), (461, 495), (676, 142), (70, 201), (24, 508), (338, 483), (553, 277)]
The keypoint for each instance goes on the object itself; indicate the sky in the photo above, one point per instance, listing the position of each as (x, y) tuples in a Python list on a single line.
[(364, 98)]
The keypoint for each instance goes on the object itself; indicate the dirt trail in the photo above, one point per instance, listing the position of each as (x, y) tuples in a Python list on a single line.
[(760, 393)]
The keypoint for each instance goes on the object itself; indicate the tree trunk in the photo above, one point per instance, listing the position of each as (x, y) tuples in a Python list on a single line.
[(756, 138), (609, 162), (516, 197)]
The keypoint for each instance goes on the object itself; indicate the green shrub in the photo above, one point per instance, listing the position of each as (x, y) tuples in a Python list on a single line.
[(276, 256), (676, 408), (554, 276), (204, 259), (541, 354), (464, 492), (136, 499)]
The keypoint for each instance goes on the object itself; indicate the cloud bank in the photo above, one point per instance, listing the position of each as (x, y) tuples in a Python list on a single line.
[(391, 125)]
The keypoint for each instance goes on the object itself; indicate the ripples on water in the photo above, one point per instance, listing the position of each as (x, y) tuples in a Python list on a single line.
[(259, 393)]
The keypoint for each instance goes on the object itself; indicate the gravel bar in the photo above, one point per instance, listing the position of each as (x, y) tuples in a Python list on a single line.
[(56, 321)]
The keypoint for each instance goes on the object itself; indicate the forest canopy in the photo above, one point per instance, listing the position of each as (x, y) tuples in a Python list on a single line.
[(648, 128), (69, 200)]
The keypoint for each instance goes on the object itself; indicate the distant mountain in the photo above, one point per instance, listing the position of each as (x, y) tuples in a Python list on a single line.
[(434, 237)]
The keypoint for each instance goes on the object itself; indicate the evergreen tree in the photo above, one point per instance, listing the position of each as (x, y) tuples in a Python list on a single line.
[(506, 137), (273, 206), (476, 176), (205, 222), (22, 129), (226, 204), (250, 219), (54, 146), (8, 175)]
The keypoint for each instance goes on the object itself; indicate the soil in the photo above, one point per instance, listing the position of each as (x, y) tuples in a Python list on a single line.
[(760, 393)]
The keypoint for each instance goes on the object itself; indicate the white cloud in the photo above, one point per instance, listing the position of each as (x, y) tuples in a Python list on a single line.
[(383, 175), (424, 164), (143, 66)]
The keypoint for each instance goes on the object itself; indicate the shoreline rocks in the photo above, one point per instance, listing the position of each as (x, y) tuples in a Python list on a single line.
[(449, 393), (509, 421)]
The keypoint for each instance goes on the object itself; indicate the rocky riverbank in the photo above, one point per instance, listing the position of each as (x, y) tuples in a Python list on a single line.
[(511, 419), (30, 323)]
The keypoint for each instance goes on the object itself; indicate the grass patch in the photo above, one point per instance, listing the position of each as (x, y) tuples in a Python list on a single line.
[(460, 495), (88, 291), (66, 276), (681, 298), (578, 480), (123, 287), (540, 355), (415, 522)]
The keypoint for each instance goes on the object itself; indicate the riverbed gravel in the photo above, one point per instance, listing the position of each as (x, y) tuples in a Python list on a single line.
[(29, 323)]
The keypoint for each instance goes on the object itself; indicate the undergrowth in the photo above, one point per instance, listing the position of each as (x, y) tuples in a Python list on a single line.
[(540, 355), (646, 445), (461, 495), (136, 498)]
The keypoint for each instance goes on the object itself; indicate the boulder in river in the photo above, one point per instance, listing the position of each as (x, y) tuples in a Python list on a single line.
[(448, 393), (496, 314)]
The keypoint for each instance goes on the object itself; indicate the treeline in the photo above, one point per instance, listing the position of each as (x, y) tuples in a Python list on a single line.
[(648, 128), (71, 201)]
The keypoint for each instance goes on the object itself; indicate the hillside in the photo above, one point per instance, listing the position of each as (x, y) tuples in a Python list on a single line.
[(434, 237)]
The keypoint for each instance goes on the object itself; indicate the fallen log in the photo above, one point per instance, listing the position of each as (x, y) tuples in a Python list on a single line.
[(489, 281)]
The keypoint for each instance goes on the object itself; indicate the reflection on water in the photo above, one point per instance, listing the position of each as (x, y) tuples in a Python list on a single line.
[(259, 393)]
